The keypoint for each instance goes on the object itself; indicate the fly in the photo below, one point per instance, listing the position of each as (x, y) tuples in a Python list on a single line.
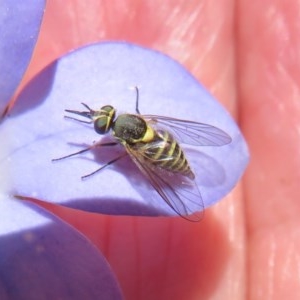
[(153, 143)]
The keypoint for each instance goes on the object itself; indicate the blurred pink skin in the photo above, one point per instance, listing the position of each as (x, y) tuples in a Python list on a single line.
[(249, 243)]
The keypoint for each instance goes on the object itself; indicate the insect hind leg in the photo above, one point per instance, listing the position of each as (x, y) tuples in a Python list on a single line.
[(104, 166)]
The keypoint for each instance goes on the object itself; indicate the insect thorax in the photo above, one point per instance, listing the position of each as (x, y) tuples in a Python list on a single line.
[(130, 128)]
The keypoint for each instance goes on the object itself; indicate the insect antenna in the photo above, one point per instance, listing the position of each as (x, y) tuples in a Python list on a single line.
[(87, 114)]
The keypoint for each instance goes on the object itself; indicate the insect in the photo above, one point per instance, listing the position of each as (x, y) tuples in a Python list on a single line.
[(153, 143)]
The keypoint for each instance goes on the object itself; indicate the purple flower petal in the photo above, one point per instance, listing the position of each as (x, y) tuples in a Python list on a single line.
[(41, 257), (19, 27), (105, 74)]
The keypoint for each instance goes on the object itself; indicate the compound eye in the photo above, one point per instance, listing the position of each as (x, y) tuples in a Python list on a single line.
[(104, 119), (102, 124), (108, 109)]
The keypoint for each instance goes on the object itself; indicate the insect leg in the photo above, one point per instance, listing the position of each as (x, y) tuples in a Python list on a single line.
[(104, 166), (81, 121), (137, 100), (85, 150)]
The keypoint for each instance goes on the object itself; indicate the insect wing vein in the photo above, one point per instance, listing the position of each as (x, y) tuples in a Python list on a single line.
[(179, 192), (192, 133)]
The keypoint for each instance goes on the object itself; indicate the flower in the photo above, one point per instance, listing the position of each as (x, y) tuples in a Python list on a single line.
[(38, 133), (40, 255), (104, 73)]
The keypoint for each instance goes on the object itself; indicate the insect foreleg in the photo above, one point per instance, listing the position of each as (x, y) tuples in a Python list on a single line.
[(81, 121), (85, 150)]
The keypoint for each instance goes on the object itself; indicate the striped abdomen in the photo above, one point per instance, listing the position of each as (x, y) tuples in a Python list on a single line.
[(165, 152)]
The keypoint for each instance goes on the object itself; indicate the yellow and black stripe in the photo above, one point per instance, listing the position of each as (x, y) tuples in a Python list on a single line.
[(165, 152)]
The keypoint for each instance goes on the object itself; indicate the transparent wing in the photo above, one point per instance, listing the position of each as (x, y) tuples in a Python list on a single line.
[(179, 192), (189, 132)]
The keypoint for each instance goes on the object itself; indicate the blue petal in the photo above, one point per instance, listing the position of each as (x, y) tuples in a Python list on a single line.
[(41, 257), (104, 74), (19, 27)]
